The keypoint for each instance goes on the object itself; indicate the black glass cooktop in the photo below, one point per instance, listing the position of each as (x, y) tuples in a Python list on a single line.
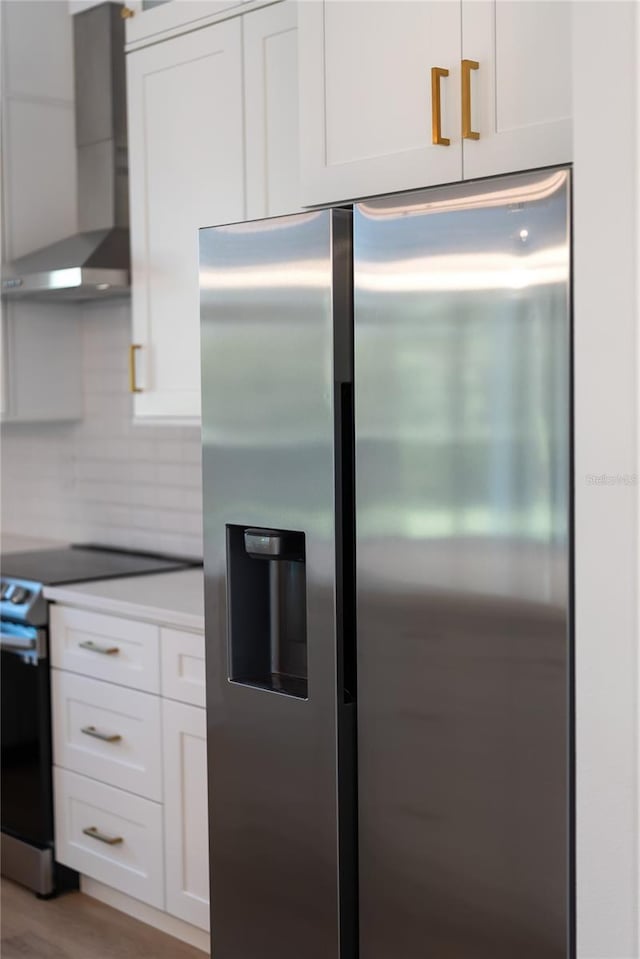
[(78, 564)]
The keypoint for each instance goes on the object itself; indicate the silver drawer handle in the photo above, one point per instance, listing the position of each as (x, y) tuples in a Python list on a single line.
[(95, 833), (96, 648), (105, 737)]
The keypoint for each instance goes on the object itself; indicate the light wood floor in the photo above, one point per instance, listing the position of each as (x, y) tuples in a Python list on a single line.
[(74, 926)]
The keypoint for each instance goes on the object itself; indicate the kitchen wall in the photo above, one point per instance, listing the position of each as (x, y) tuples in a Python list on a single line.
[(104, 479)]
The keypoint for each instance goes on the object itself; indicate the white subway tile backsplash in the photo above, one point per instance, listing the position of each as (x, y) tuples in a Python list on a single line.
[(105, 479)]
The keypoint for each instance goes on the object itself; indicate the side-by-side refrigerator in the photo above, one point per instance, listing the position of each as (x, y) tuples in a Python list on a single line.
[(387, 473)]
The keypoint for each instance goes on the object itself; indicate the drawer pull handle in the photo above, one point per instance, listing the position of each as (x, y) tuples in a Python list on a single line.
[(436, 110), (105, 737), (97, 648), (95, 833)]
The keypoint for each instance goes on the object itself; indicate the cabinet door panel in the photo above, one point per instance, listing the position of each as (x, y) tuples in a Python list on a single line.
[(39, 151), (365, 97), (186, 812), (186, 163), (521, 93), (271, 101)]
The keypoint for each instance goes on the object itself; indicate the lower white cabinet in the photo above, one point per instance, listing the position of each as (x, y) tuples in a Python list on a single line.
[(110, 835), (186, 835), (130, 765)]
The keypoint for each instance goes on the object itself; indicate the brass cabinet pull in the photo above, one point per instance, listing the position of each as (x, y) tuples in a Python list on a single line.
[(95, 833), (436, 112), (133, 386), (467, 67), (127, 12), (96, 648), (105, 737)]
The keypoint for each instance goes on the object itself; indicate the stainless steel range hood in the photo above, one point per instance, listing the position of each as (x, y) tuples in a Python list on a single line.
[(95, 263)]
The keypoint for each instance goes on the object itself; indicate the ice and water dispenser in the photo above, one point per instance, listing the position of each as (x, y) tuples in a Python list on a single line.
[(268, 609)]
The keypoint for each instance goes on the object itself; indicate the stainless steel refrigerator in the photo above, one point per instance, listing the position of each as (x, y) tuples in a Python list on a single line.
[(387, 473)]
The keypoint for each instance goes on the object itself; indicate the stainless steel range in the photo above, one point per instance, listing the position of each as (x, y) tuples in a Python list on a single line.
[(28, 854)]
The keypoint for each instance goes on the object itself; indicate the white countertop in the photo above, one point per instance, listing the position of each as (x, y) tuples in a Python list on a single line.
[(169, 599)]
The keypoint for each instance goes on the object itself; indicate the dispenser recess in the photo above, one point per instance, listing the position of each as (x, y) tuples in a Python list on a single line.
[(267, 609)]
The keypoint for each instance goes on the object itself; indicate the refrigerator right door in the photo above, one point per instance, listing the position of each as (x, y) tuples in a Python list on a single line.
[(463, 474)]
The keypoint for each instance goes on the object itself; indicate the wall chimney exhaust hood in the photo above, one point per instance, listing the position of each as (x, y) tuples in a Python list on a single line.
[(94, 263)]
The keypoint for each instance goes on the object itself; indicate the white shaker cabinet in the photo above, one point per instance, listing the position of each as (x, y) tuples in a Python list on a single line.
[(40, 342), (368, 97), (213, 138), (186, 171), (366, 100), (184, 730), (41, 361), (271, 110), (130, 756), (520, 95)]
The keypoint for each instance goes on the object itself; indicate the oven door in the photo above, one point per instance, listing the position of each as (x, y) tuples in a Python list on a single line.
[(26, 792)]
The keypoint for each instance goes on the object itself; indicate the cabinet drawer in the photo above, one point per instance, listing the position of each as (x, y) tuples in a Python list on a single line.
[(124, 848), (182, 657), (107, 732), (121, 651)]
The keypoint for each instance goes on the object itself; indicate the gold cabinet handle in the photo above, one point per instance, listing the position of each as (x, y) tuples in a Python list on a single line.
[(133, 386), (95, 833), (436, 111), (127, 12), (105, 737), (467, 132), (96, 648)]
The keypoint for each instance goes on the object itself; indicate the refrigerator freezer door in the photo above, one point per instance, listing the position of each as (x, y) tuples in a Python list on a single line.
[(273, 297), (463, 462)]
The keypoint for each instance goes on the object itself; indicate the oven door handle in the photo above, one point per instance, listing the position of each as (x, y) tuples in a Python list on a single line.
[(21, 645)]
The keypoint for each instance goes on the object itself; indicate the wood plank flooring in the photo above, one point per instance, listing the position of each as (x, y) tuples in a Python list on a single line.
[(74, 926)]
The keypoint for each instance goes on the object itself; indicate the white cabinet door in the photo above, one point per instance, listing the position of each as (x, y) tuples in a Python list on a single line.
[(42, 362), (366, 101), (521, 91), (39, 173), (271, 110), (186, 823), (186, 171)]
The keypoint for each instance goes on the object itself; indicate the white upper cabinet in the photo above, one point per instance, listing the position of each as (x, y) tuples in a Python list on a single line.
[(40, 342), (366, 113), (213, 138), (186, 171), (521, 92), (271, 110), (369, 100)]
